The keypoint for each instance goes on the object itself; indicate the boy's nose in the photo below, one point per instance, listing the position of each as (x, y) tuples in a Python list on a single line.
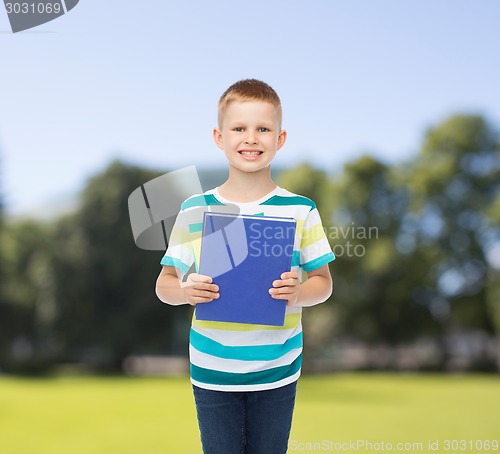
[(250, 139)]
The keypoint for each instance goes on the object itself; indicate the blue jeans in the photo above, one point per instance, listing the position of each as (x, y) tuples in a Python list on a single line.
[(253, 422)]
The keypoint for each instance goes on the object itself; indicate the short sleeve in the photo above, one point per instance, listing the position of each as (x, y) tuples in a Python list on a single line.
[(179, 252), (315, 251)]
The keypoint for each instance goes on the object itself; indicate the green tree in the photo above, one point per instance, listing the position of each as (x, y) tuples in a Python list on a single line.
[(455, 185), (493, 255), (107, 307), (28, 306), (19, 349), (2, 297), (2, 222), (375, 274), (308, 181)]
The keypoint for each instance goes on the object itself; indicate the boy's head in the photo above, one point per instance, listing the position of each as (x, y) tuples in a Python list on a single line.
[(249, 90), (249, 129)]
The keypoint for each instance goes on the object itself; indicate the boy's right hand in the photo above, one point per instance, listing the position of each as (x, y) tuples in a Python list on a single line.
[(198, 288)]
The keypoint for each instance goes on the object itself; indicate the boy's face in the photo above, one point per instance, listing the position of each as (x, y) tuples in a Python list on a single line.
[(250, 135)]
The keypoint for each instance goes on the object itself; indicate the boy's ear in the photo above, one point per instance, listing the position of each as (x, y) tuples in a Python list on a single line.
[(218, 138), (281, 138)]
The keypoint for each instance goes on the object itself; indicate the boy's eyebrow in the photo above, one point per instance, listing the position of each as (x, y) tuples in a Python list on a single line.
[(243, 122)]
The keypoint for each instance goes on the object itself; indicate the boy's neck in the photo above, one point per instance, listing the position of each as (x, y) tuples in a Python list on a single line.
[(247, 187)]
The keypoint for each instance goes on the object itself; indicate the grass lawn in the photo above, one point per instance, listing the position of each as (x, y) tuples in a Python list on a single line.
[(156, 415)]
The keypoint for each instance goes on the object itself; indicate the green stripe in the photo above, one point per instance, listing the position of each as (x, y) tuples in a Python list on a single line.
[(200, 201), (195, 227), (291, 322), (244, 353), (317, 262), (296, 258), (272, 375), (284, 200), (170, 261)]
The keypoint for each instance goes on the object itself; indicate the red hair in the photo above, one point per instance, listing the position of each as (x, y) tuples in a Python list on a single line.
[(248, 90)]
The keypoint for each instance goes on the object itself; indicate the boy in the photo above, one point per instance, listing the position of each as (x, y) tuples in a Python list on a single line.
[(244, 376)]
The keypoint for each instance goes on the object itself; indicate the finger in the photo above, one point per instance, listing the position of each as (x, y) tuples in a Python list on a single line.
[(195, 299), (198, 300), (284, 282), (290, 275), (209, 287), (207, 294), (274, 294), (278, 291), (280, 296), (201, 278)]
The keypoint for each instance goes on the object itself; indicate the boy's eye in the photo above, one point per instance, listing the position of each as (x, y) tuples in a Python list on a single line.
[(241, 129)]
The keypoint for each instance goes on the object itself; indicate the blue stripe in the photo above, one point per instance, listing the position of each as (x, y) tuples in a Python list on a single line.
[(201, 200), (290, 200), (195, 227), (317, 262), (296, 258), (272, 375), (171, 261), (244, 353)]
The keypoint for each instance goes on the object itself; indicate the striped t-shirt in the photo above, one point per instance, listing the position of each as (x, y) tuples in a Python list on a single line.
[(238, 356)]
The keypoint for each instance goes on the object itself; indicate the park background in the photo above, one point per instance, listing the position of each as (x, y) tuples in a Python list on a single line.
[(393, 116)]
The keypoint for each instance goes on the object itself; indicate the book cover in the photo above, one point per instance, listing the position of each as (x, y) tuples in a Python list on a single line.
[(244, 254)]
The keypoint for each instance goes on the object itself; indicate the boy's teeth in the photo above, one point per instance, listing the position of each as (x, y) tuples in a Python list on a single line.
[(252, 153)]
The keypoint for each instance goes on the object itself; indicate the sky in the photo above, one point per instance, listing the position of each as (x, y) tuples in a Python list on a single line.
[(140, 81)]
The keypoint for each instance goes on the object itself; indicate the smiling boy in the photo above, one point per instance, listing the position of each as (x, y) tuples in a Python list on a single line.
[(243, 375)]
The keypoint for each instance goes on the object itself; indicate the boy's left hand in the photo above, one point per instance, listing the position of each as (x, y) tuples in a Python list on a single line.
[(286, 288)]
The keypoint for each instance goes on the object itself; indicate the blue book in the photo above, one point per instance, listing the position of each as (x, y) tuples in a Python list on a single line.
[(244, 254)]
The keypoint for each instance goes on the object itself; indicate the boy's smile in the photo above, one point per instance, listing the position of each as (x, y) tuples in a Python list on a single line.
[(250, 135), (250, 153)]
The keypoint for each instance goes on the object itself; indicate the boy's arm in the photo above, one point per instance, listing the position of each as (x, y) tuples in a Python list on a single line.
[(198, 288), (315, 290)]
